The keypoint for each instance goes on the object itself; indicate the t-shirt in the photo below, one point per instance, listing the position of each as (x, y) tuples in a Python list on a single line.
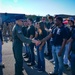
[(73, 42), (49, 25), (58, 34), (72, 29), (31, 31), (24, 30), (43, 35)]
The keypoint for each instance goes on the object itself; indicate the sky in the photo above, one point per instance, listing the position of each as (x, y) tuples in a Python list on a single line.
[(38, 7)]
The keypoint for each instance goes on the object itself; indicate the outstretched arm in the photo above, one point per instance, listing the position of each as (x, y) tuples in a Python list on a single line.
[(47, 37)]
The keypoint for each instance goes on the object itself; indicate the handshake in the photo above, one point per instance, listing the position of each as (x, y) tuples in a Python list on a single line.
[(36, 42)]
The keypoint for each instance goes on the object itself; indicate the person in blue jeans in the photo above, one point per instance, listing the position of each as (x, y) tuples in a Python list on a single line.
[(71, 53), (1, 42), (41, 60), (40, 48), (24, 30), (59, 35)]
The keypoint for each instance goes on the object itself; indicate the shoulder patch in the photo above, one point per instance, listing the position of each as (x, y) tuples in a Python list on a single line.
[(19, 31)]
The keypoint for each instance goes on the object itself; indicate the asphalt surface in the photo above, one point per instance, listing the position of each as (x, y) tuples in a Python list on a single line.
[(9, 62)]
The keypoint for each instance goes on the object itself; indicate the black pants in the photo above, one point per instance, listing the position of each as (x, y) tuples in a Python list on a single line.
[(49, 49), (32, 56), (18, 60)]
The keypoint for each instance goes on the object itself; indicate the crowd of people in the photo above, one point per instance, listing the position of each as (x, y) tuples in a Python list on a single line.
[(49, 36), (7, 30)]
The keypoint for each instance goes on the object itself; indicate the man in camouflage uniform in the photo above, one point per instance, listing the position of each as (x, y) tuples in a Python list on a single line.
[(5, 31)]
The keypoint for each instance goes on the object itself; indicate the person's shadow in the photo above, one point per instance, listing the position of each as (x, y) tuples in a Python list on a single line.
[(1, 71), (32, 71)]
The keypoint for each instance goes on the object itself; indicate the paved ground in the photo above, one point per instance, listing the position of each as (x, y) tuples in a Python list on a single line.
[(9, 64)]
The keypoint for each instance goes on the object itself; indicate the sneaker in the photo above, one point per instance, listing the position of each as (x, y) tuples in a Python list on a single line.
[(40, 70), (2, 65), (25, 56), (52, 73), (54, 63), (22, 68), (65, 65), (52, 60), (36, 67), (68, 69), (30, 64), (28, 61)]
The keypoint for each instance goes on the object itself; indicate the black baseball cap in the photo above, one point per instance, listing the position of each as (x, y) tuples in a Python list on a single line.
[(18, 17)]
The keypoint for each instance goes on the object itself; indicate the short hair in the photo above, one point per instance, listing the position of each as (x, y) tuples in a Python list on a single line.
[(37, 19), (50, 17), (72, 22), (31, 20), (60, 19), (71, 19), (43, 17)]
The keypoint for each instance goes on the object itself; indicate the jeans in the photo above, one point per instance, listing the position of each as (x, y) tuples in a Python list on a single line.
[(40, 56), (32, 55), (66, 61), (73, 63), (58, 60), (27, 49), (0, 51), (28, 53), (49, 48)]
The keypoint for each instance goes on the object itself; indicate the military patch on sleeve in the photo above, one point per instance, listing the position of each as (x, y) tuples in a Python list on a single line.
[(19, 31)]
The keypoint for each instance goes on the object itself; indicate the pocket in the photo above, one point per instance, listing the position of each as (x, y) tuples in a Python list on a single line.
[(58, 49)]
